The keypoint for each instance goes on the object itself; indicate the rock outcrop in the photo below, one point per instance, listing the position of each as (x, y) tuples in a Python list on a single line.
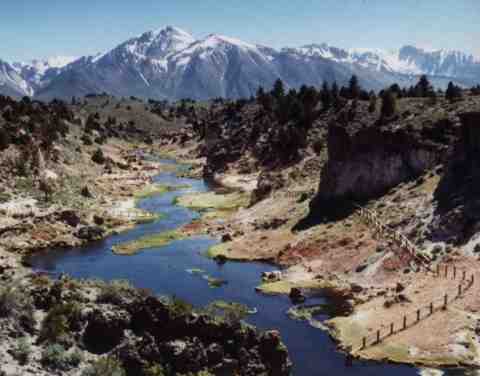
[(366, 160), (457, 215)]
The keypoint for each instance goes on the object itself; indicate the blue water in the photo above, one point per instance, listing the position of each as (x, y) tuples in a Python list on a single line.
[(163, 271)]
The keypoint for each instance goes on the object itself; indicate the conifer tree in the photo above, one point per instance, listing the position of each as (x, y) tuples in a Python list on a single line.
[(278, 89), (453, 92), (389, 105), (372, 106), (353, 88), (326, 96)]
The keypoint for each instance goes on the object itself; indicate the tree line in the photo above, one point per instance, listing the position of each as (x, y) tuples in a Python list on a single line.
[(302, 106)]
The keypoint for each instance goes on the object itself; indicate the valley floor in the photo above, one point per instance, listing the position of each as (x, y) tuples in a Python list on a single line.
[(379, 279)]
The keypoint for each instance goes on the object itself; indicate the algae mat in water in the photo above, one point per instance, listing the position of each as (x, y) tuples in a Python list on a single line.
[(216, 201), (158, 189), (146, 242)]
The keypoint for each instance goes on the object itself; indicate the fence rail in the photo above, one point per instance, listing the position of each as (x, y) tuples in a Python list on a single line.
[(422, 312)]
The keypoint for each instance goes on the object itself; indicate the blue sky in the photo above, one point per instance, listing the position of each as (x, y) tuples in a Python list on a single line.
[(42, 28)]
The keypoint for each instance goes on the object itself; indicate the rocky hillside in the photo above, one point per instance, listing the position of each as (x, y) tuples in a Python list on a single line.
[(70, 174), (70, 327)]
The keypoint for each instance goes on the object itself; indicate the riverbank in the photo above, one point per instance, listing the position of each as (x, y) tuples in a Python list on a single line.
[(57, 322), (346, 255)]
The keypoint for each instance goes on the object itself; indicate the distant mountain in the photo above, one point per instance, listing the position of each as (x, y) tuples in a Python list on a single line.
[(39, 73), (170, 64), (12, 83)]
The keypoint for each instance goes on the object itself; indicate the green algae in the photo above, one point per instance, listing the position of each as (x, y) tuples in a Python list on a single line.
[(158, 189), (146, 242)]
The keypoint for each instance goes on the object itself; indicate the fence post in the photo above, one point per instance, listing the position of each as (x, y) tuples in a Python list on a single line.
[(446, 271), (418, 315), (431, 308), (459, 290), (454, 272), (378, 336), (464, 275), (364, 343), (471, 283), (438, 269), (445, 301), (404, 322), (391, 328)]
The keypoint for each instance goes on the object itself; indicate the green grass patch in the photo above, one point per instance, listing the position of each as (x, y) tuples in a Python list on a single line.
[(146, 242), (158, 189), (215, 282), (150, 218), (212, 200), (284, 287), (217, 250)]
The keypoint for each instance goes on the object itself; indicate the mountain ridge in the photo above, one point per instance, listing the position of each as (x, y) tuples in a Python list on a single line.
[(170, 63)]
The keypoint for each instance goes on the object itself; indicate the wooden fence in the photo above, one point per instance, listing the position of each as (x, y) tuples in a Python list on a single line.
[(440, 271)]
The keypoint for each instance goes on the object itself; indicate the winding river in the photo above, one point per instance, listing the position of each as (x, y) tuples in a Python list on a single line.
[(165, 271)]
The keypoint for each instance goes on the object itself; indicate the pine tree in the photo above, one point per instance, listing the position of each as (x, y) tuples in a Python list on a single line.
[(423, 87), (260, 94), (372, 106), (354, 88), (326, 96), (278, 89), (335, 95), (389, 105), (453, 92), (309, 98)]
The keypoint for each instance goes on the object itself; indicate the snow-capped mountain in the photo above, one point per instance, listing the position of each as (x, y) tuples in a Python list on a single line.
[(12, 83), (408, 60), (170, 63)]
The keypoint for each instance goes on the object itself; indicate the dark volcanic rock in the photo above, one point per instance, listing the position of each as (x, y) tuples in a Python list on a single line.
[(90, 233), (457, 216), (70, 217), (105, 330), (267, 183), (364, 161)]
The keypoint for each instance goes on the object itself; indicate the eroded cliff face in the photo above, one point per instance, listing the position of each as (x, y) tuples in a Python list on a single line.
[(365, 161), (457, 215)]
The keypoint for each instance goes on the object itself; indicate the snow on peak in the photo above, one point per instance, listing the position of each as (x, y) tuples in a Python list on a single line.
[(214, 40), (40, 66), (173, 31)]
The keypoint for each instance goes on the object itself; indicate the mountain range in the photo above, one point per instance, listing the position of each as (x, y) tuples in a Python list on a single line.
[(171, 64)]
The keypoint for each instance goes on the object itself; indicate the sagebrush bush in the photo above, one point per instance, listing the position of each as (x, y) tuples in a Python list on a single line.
[(105, 367), (115, 292), (17, 305), (22, 351), (155, 370), (59, 321), (55, 357)]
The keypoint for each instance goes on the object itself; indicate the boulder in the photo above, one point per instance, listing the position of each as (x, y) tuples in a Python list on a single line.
[(296, 295), (90, 233), (86, 192), (105, 330), (70, 217), (267, 183)]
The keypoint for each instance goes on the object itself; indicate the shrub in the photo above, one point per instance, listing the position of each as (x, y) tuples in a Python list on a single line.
[(155, 370), (17, 305), (98, 156), (10, 301), (105, 367), (59, 321), (389, 105), (4, 139), (22, 351), (180, 307), (55, 357), (115, 292)]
